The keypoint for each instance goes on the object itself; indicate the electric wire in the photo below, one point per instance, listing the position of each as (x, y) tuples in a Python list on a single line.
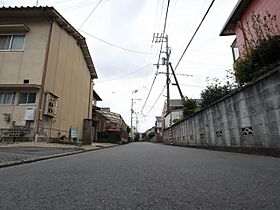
[(114, 45), (185, 50), (164, 28), (90, 14), (194, 35), (125, 75), (154, 48), (149, 93), (152, 107)]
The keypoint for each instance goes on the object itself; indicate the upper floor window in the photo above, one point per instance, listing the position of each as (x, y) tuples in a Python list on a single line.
[(14, 42), (7, 98), (235, 50), (27, 98)]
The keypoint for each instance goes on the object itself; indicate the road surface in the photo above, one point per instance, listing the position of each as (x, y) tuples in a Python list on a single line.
[(144, 176)]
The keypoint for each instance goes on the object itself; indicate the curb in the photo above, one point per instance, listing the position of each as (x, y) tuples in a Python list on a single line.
[(270, 152), (32, 160)]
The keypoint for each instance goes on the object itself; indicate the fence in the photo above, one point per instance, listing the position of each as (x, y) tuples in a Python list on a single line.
[(248, 118)]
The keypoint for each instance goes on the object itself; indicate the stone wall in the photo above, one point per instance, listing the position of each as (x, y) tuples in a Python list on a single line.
[(247, 118)]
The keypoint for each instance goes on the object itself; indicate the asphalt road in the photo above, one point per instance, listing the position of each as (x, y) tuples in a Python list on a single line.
[(144, 176)]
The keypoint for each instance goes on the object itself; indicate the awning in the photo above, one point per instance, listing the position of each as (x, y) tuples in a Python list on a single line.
[(17, 28), (19, 87)]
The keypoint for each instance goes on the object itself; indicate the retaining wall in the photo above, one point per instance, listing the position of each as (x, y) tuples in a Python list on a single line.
[(248, 118)]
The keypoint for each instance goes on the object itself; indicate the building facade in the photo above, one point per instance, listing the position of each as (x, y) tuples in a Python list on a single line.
[(242, 15), (175, 113), (46, 74)]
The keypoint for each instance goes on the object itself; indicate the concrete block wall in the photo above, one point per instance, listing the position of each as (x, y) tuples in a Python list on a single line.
[(250, 117)]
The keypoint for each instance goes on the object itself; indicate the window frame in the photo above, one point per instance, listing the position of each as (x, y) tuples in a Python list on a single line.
[(26, 101), (233, 48), (11, 41), (13, 98)]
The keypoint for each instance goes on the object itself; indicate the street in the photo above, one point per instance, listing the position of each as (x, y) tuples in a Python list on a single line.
[(144, 176)]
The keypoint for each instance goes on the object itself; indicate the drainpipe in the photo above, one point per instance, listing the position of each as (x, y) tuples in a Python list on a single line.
[(90, 98), (41, 93)]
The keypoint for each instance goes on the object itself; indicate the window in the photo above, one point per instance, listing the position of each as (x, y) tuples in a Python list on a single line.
[(27, 98), (235, 50), (6, 98), (11, 42)]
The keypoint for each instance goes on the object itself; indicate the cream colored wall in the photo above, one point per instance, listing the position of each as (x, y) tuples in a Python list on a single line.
[(68, 78), (27, 64), (16, 111)]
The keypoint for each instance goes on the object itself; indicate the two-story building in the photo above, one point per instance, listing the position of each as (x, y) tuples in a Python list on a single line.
[(175, 113), (46, 74), (242, 14)]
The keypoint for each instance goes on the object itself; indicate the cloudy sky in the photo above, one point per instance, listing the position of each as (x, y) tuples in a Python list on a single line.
[(119, 34)]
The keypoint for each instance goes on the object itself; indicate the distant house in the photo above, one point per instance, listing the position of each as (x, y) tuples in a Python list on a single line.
[(46, 74), (176, 112), (242, 13), (158, 124), (110, 126)]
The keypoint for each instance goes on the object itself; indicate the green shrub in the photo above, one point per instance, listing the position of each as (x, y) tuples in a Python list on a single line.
[(262, 50), (190, 107), (214, 92)]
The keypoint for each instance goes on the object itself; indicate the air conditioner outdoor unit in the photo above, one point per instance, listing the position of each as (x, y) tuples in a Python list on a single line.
[(29, 114)]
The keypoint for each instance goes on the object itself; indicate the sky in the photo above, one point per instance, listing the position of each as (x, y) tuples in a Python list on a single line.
[(119, 34)]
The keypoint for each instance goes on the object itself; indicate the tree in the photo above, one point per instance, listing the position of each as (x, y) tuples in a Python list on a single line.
[(150, 135), (214, 92), (137, 136), (144, 136), (190, 107)]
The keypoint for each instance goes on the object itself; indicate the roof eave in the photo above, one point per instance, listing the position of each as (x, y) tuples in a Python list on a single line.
[(80, 39), (96, 96), (228, 28)]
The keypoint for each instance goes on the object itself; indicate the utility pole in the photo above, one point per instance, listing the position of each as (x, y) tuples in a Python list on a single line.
[(161, 38), (132, 111), (167, 74), (137, 122), (131, 118)]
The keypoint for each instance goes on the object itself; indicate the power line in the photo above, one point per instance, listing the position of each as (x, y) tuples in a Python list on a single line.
[(194, 35), (149, 92), (114, 45), (185, 50), (164, 28), (154, 49), (198, 86), (152, 107), (125, 75), (90, 14)]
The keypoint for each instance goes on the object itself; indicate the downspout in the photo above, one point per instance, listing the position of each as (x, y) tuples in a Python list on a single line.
[(41, 93), (90, 98)]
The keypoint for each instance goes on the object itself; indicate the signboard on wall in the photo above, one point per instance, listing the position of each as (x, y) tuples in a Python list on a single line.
[(74, 133)]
